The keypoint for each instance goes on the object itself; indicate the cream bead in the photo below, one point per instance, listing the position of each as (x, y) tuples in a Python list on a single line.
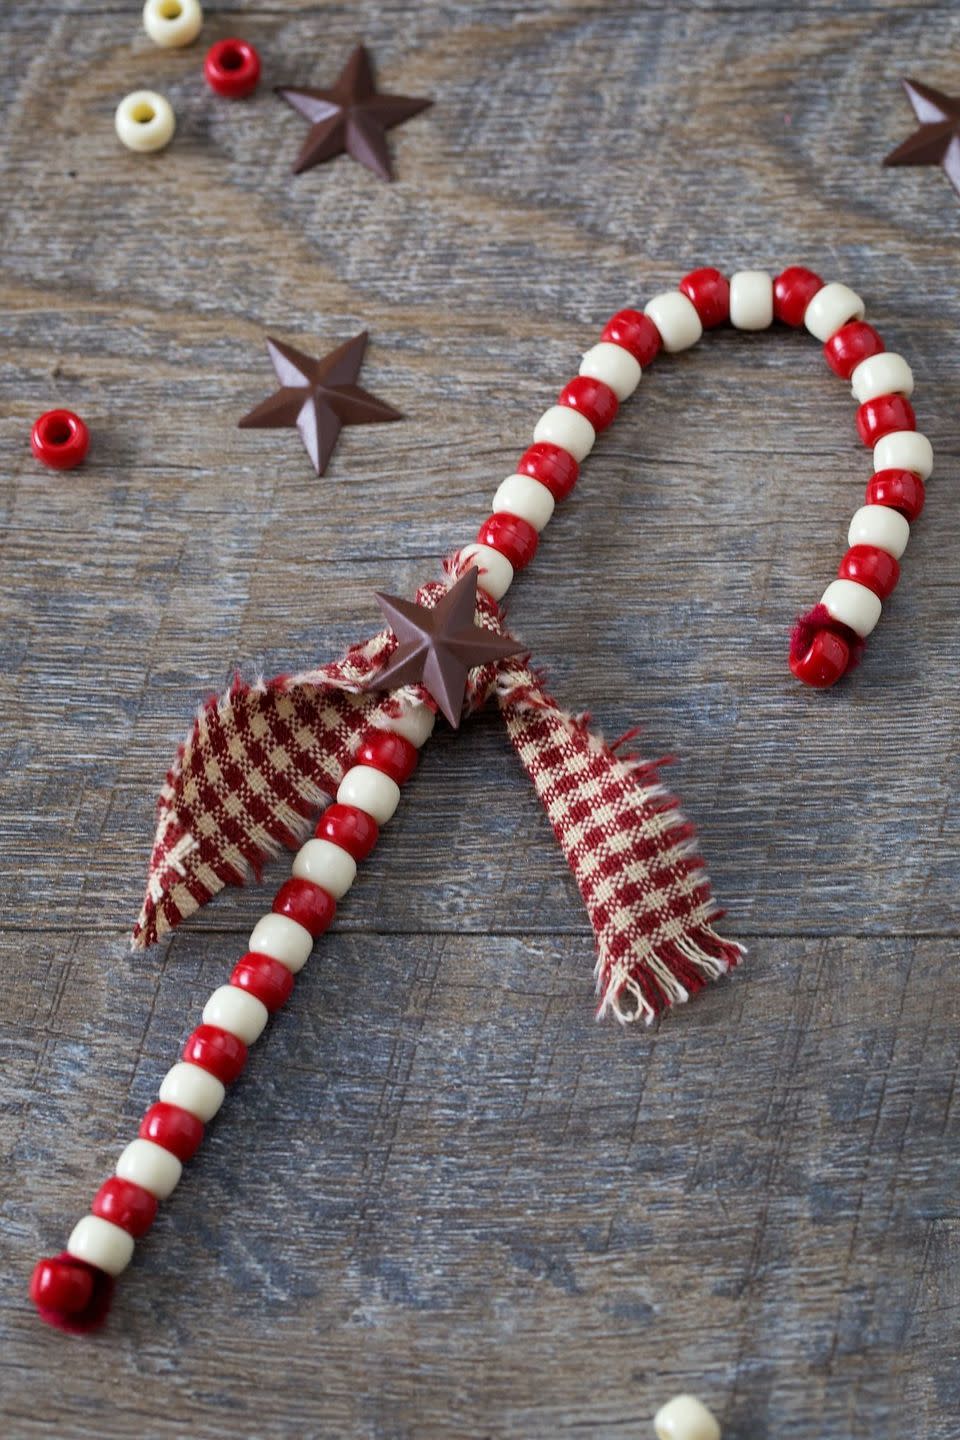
[(523, 496), (676, 318), (751, 300), (830, 308), (236, 1011), (685, 1418), (496, 572), (613, 365), (567, 428), (883, 374), (904, 450), (415, 724), (144, 1163), (101, 1243), (192, 1089), (144, 121), (370, 790), (881, 526), (171, 23), (282, 939), (852, 604), (325, 864)]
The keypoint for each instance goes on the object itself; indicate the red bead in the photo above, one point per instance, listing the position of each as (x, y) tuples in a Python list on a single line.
[(852, 343), (216, 1050), (709, 293), (635, 332), (353, 830), (872, 567), (394, 755), (823, 662), (232, 68), (882, 416), (60, 439), (264, 978), (900, 489), (125, 1204), (793, 290), (174, 1128), (64, 1285), (512, 536), (552, 466), (592, 398), (310, 905)]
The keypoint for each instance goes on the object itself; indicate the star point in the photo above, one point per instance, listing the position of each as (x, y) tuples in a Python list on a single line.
[(937, 141)]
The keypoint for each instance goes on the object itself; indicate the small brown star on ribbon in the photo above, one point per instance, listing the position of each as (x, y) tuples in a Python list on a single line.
[(439, 647), (937, 142), (352, 117), (319, 397)]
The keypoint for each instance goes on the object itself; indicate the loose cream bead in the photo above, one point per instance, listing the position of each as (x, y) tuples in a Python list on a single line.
[(883, 374), (830, 308), (172, 23), (613, 365), (751, 300), (567, 428), (144, 121), (852, 605), (326, 865), (904, 450), (370, 790), (496, 572), (685, 1418), (236, 1011), (101, 1243), (881, 526), (415, 724), (192, 1089), (144, 1163), (676, 318), (282, 939), (522, 495)]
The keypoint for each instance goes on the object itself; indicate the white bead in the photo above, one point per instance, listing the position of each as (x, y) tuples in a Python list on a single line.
[(192, 1089), (522, 495), (830, 308), (884, 374), (144, 121), (282, 939), (879, 525), (236, 1011), (613, 365), (685, 1418), (676, 318), (101, 1243), (496, 572), (172, 22), (370, 790), (325, 864), (904, 450), (415, 724), (144, 1163), (567, 428), (751, 300), (852, 604)]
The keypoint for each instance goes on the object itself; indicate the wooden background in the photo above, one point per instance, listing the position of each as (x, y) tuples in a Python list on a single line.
[(443, 1203)]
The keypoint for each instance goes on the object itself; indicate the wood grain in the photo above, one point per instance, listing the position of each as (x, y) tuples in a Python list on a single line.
[(443, 1202)]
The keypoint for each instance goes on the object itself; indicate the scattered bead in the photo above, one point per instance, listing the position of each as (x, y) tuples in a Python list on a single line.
[(614, 366), (389, 752), (172, 23), (882, 416), (59, 439), (636, 333), (751, 300), (125, 1204), (369, 790), (232, 1009), (194, 1089), (830, 308), (852, 605), (172, 1127), (232, 68), (881, 526), (887, 374), (567, 429), (306, 904), (145, 121), (870, 566), (709, 293), (101, 1243), (552, 466), (496, 572), (144, 1163), (282, 939), (265, 978), (793, 290), (900, 489), (350, 827), (676, 320), (526, 498), (851, 346), (904, 450), (513, 536), (591, 398), (685, 1418), (326, 864)]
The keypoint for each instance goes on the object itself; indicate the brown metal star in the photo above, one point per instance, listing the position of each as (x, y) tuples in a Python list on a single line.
[(319, 397), (937, 142), (351, 116), (439, 647)]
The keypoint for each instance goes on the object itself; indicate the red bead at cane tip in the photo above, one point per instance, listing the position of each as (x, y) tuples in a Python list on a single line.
[(349, 827), (232, 68), (793, 290), (59, 439), (390, 753), (512, 536), (125, 1204), (899, 490), (709, 293), (176, 1129), (70, 1294), (636, 332), (850, 346), (310, 905), (883, 416), (222, 1054), (553, 467), (823, 662), (870, 566), (594, 400), (265, 978)]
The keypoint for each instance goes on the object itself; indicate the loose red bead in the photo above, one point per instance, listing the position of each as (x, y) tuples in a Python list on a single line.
[(636, 332), (709, 293), (793, 290), (872, 567), (394, 755), (59, 439), (353, 830), (552, 466), (900, 489), (854, 342), (310, 905), (512, 536), (174, 1128), (264, 978), (882, 416), (592, 398), (232, 68), (125, 1204), (216, 1050)]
